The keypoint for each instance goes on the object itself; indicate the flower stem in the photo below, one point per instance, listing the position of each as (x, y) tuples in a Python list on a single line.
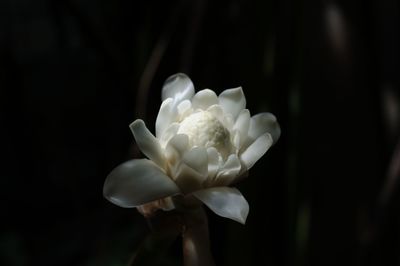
[(195, 239)]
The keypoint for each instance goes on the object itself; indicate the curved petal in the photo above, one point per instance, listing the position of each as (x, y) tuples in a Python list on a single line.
[(197, 159), (242, 124), (226, 202), (184, 109), (203, 99), (166, 116), (262, 123), (178, 87), (175, 149), (229, 171), (168, 134), (256, 150), (216, 110), (213, 162), (225, 118), (137, 182), (193, 169), (147, 143), (232, 101), (237, 140)]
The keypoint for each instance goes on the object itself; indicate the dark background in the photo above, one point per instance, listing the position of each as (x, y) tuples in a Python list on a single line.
[(74, 74)]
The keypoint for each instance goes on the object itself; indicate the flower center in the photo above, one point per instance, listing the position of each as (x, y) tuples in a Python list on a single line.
[(205, 130)]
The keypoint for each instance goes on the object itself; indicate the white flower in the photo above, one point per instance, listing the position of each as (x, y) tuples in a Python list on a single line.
[(203, 144)]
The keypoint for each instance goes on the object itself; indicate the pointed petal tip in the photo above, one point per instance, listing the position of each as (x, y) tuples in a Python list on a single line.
[(232, 101), (147, 143)]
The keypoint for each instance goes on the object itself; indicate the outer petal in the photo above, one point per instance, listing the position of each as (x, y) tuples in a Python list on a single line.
[(226, 202), (232, 101), (137, 182), (204, 99), (256, 150), (165, 117), (147, 143), (242, 125), (262, 123), (178, 87), (229, 171)]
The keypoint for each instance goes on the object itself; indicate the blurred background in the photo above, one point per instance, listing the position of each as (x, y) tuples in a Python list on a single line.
[(74, 74)]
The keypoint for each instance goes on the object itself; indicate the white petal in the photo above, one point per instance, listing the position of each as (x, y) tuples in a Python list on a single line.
[(184, 109), (203, 99), (168, 134), (237, 139), (178, 87), (225, 118), (176, 147), (229, 171), (232, 101), (166, 116), (197, 159), (262, 123), (137, 182), (213, 162), (192, 170), (256, 150), (228, 121), (147, 143), (242, 125), (216, 110), (226, 202)]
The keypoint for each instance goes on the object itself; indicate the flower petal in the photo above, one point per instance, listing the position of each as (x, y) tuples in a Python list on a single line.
[(147, 143), (256, 150), (262, 123), (225, 118), (166, 116), (178, 87), (229, 171), (232, 101), (197, 159), (184, 109), (216, 110), (168, 134), (137, 182), (175, 149), (213, 162), (242, 125), (203, 99), (192, 170), (226, 202)]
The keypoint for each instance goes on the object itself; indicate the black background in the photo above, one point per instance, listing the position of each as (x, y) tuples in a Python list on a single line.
[(74, 74)]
